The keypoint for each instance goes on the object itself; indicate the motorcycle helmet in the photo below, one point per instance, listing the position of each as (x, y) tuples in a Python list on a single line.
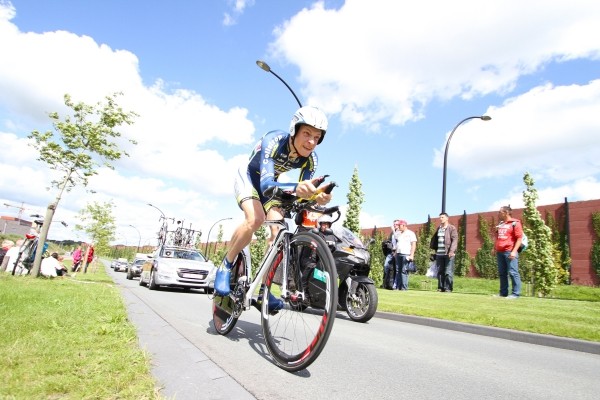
[(325, 219), (309, 116)]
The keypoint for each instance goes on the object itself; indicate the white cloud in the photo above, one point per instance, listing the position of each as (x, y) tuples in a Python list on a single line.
[(177, 130), (549, 131), (585, 188), (238, 7), (382, 60)]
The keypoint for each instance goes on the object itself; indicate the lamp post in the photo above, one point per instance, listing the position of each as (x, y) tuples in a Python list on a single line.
[(208, 237), (162, 213), (139, 236), (264, 66), (481, 117)]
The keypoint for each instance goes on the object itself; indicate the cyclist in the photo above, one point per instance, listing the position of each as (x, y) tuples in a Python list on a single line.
[(277, 152)]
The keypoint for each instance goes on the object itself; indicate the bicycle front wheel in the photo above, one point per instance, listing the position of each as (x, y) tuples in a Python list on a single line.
[(296, 335)]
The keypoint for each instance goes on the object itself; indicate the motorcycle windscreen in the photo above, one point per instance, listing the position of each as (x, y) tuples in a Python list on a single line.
[(347, 236)]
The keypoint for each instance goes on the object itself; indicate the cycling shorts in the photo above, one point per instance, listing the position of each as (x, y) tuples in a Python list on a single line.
[(245, 190)]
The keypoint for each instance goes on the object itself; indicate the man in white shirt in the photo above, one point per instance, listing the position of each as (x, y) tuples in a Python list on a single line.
[(406, 244), (50, 265)]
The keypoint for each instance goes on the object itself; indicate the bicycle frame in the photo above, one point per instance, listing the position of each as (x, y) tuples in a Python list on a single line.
[(28, 245), (283, 236)]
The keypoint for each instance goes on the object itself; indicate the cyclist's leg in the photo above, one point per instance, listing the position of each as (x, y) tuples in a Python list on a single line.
[(274, 213), (254, 215)]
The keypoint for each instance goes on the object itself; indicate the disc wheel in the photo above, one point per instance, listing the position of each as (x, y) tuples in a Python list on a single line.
[(296, 335)]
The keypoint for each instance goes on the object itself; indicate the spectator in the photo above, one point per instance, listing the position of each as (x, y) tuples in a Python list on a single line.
[(51, 266), (406, 244), (445, 241), (61, 270), (509, 235), (12, 255), (90, 257), (6, 245), (388, 247), (77, 256)]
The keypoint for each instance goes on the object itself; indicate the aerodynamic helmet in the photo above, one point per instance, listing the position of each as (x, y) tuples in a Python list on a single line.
[(309, 116)]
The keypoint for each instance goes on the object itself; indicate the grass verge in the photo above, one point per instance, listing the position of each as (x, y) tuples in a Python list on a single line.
[(69, 339), (572, 311)]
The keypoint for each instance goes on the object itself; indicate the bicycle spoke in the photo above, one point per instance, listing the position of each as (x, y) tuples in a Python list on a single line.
[(297, 334)]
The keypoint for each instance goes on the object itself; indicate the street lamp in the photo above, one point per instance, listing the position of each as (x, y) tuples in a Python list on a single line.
[(139, 237), (208, 237), (481, 117), (264, 66), (162, 213)]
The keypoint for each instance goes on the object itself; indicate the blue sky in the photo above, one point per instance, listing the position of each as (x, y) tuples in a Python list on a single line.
[(393, 77)]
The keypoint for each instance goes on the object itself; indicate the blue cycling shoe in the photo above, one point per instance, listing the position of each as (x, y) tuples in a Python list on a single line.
[(275, 304), (223, 279)]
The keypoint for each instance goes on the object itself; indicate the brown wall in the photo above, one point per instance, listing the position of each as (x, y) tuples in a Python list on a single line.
[(579, 228)]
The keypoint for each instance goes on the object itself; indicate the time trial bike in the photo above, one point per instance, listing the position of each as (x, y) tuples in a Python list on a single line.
[(296, 334)]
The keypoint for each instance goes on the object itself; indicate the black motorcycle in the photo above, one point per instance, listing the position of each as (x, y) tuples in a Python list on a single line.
[(357, 294)]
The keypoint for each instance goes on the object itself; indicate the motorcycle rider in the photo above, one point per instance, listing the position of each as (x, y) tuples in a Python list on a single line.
[(308, 259), (277, 152)]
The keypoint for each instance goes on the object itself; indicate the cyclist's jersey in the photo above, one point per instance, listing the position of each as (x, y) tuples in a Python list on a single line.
[(271, 157)]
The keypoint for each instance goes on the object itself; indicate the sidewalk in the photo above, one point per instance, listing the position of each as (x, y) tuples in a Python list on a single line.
[(184, 371)]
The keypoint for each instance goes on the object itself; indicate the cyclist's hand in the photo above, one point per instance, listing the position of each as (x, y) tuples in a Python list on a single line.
[(305, 189), (323, 198)]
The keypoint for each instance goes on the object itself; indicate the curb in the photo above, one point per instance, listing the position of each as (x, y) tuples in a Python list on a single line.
[(501, 333)]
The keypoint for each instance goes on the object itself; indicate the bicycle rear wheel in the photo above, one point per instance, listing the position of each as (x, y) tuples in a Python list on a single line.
[(227, 309), (296, 335)]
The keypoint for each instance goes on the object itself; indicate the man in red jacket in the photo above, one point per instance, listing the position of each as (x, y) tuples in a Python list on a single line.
[(509, 236)]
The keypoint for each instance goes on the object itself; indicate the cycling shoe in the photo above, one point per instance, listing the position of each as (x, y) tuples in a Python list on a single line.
[(223, 279), (275, 304)]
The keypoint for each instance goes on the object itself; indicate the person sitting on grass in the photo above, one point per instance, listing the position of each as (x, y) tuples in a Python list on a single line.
[(52, 266)]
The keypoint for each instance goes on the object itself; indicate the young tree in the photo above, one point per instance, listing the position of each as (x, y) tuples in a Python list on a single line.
[(423, 252), (220, 250), (540, 250), (462, 259), (377, 257), (560, 251), (98, 222), (258, 248), (485, 259), (82, 144), (595, 252), (355, 200)]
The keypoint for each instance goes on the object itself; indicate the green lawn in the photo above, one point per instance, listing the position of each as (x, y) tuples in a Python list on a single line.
[(70, 338)]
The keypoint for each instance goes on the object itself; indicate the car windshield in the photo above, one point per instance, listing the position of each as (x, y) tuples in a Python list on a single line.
[(182, 254)]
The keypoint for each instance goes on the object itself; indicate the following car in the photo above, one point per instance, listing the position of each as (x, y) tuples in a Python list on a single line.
[(180, 267), (135, 269), (121, 265)]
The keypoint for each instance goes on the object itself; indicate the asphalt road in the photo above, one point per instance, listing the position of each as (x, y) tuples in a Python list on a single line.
[(383, 359)]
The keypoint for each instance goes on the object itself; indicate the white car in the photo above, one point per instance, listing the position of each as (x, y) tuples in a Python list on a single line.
[(179, 267), (121, 265)]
